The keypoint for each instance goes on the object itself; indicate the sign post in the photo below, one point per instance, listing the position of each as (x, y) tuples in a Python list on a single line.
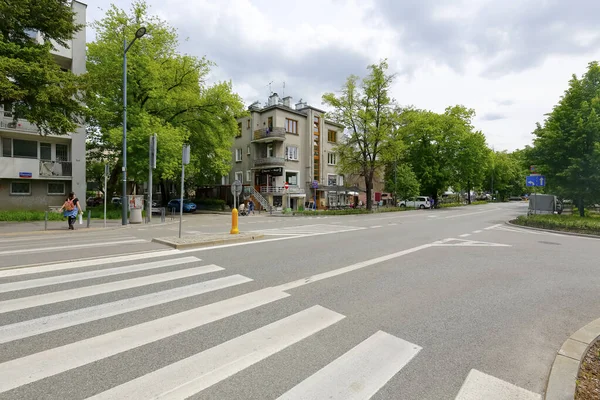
[(152, 165), (535, 181), (315, 186), (287, 191), (236, 190), (105, 187), (185, 160)]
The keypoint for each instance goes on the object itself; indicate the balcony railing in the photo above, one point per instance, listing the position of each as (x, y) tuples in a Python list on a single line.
[(281, 190), (269, 161), (56, 168), (7, 123), (268, 134)]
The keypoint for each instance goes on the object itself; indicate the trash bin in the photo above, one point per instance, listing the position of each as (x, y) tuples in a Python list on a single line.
[(136, 205)]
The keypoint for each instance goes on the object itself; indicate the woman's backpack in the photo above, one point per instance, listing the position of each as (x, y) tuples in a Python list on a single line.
[(69, 206)]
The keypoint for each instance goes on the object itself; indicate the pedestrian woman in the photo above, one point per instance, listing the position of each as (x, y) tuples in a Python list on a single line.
[(70, 209)]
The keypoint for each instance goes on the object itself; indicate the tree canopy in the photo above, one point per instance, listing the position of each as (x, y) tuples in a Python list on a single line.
[(32, 84)]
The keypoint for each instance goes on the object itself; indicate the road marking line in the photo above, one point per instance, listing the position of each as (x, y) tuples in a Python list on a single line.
[(359, 373), (350, 268), (471, 243), (473, 213), (376, 226), (482, 386), (478, 231), (493, 227), (189, 376), (70, 247), (37, 326), (465, 235), (393, 224), (86, 263), (88, 291), (54, 238), (35, 367), (53, 280)]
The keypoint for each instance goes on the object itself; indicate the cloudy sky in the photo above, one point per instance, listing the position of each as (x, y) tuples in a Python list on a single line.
[(510, 60)]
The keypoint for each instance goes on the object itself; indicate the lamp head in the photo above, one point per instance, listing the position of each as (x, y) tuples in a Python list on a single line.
[(140, 32)]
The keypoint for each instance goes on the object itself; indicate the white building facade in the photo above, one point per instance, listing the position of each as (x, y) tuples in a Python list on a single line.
[(37, 172)]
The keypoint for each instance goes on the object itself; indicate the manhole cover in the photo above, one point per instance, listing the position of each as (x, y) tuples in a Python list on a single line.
[(552, 243)]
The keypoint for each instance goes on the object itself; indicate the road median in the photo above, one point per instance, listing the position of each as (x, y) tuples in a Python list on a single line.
[(207, 239)]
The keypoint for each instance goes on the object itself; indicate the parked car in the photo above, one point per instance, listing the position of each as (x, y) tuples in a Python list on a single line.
[(416, 202), (94, 201), (188, 206), (116, 200)]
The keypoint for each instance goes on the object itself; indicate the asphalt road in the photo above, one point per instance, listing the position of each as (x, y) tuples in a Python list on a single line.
[(440, 304)]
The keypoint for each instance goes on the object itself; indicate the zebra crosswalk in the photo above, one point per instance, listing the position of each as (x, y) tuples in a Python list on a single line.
[(41, 302)]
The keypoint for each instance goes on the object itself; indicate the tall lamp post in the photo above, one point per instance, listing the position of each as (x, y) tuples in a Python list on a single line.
[(140, 32)]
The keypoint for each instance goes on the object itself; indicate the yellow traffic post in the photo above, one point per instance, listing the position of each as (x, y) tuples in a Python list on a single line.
[(234, 222)]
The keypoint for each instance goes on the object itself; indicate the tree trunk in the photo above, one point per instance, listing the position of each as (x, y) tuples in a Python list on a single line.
[(369, 186), (581, 207), (469, 191), (164, 198)]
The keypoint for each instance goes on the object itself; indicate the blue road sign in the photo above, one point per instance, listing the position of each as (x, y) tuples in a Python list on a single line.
[(536, 180)]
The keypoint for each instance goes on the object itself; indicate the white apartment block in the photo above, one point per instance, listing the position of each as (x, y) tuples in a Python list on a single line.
[(281, 143), (37, 172)]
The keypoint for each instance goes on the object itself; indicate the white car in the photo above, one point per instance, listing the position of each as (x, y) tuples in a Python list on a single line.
[(421, 202)]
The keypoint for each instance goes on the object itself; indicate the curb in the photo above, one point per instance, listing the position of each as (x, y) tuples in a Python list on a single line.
[(215, 242), (585, 235), (565, 368)]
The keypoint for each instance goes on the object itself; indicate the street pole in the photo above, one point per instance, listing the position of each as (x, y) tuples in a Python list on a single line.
[(152, 165), (395, 180), (185, 159), (124, 184), (105, 193)]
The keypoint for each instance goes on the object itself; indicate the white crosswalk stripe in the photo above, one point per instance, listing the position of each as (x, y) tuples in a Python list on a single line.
[(482, 386), (358, 373)]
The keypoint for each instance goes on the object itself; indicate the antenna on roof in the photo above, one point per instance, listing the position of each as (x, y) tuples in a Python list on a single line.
[(270, 91), (283, 91)]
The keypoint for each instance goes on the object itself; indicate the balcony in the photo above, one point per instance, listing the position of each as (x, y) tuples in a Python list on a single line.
[(266, 162), (281, 190), (54, 169), (264, 135), (9, 125)]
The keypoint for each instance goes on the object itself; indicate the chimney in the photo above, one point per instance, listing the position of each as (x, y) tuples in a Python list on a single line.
[(287, 101), (274, 99), (300, 105)]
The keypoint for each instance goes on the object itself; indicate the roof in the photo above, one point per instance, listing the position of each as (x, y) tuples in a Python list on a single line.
[(327, 121), (280, 107)]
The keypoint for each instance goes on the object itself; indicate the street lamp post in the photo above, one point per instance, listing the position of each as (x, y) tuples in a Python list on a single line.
[(124, 203)]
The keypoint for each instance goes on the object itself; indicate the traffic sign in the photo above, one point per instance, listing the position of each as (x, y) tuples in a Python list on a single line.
[(532, 168), (315, 184), (536, 180), (236, 188), (286, 186)]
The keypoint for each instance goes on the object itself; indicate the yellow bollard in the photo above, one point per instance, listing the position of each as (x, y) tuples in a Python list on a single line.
[(234, 222)]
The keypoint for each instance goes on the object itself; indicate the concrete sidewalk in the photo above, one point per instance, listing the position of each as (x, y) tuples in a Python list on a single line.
[(37, 227)]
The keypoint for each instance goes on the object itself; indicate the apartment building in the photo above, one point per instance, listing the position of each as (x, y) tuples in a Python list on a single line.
[(37, 172), (283, 143)]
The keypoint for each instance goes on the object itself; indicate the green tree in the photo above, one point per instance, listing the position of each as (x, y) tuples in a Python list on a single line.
[(505, 174), (367, 111), (567, 146), (401, 181), (167, 96), (31, 81)]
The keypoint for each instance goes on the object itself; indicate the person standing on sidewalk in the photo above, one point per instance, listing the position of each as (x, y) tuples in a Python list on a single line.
[(70, 209)]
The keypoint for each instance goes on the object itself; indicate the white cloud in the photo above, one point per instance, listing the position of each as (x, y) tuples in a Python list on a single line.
[(509, 59)]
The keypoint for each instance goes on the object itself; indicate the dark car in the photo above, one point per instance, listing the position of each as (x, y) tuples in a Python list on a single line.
[(94, 201), (188, 206)]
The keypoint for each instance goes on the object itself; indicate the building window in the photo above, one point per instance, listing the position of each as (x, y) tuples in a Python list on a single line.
[(291, 126), (20, 188), (331, 180), (239, 176), (270, 123), (331, 158), (56, 188), (25, 148), (341, 180), (248, 124), (248, 150), (6, 147), (332, 136), (62, 152), (7, 109), (238, 155), (239, 130), (291, 178), (270, 151), (249, 176), (225, 180), (291, 153), (45, 151)]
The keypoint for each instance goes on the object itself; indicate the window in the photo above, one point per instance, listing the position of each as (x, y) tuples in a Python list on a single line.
[(331, 158), (238, 155), (331, 136), (291, 126), (316, 125), (239, 130), (331, 180), (270, 123), (62, 152), (25, 148), (248, 150), (291, 153), (225, 180), (6, 147), (20, 188), (248, 124), (270, 152), (56, 188), (249, 176), (291, 178), (239, 176), (45, 151), (7, 107)]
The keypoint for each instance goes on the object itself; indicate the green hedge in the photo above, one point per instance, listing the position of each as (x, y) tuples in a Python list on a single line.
[(566, 223), (210, 204), (26, 215)]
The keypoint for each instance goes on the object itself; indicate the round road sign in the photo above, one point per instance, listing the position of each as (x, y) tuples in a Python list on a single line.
[(286, 185), (236, 188)]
